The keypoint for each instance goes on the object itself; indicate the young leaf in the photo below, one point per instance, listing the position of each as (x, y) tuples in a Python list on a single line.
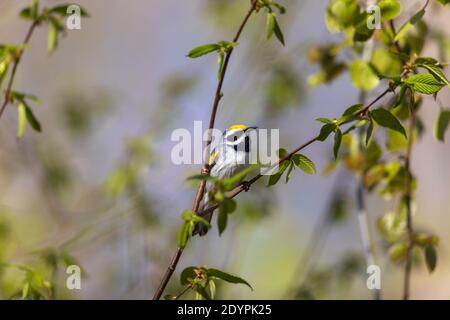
[(290, 170), (442, 124), (273, 179), (352, 110), (304, 163), (203, 50), (430, 257), (215, 273), (390, 9), (434, 69), (52, 36), (337, 142), (220, 62), (325, 131), (397, 251), (188, 275), (22, 120), (408, 25), (222, 218), (270, 25), (386, 119), (363, 75), (183, 234), (369, 132), (170, 297), (424, 83), (62, 10), (34, 123), (278, 32)]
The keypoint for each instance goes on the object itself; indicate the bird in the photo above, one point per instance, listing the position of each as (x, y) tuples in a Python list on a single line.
[(230, 157)]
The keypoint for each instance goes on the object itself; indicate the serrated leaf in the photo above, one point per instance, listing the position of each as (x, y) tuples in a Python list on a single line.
[(430, 257), (228, 277), (435, 71), (337, 142), (203, 50), (386, 119), (442, 124), (304, 163), (424, 83)]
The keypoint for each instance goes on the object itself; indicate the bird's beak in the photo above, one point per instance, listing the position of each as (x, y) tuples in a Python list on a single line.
[(250, 128)]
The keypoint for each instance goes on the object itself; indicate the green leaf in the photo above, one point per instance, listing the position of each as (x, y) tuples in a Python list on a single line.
[(304, 163), (337, 142), (203, 50), (408, 25), (278, 32), (398, 251), (273, 179), (170, 297), (363, 76), (222, 218), (390, 9), (270, 25), (230, 183), (34, 123), (202, 177), (352, 110), (220, 62), (325, 131), (369, 132), (430, 257), (22, 120), (188, 275), (228, 277), (62, 10), (324, 120), (52, 36), (386, 119), (442, 124), (34, 9), (290, 170), (424, 83), (183, 234), (435, 70)]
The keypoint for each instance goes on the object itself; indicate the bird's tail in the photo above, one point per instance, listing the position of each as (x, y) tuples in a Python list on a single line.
[(199, 227)]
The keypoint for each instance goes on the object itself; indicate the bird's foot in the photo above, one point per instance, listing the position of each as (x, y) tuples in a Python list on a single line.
[(246, 185)]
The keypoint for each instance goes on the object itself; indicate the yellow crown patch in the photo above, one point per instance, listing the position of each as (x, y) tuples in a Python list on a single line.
[(237, 127)]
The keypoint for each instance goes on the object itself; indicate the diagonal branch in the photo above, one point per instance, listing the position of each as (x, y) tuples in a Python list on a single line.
[(205, 169), (14, 68)]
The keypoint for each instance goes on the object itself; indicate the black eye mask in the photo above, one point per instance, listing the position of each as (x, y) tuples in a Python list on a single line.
[(247, 144), (235, 146)]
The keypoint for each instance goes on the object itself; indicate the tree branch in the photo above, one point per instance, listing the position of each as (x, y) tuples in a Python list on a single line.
[(205, 168), (14, 68)]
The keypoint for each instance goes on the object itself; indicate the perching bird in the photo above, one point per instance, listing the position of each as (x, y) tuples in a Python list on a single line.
[(230, 157)]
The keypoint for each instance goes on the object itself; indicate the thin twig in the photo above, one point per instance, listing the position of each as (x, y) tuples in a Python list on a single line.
[(14, 68), (408, 197), (205, 168)]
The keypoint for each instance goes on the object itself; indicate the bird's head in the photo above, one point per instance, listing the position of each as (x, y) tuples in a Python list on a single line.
[(238, 135)]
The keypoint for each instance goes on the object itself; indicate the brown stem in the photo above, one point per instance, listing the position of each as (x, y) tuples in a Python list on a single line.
[(205, 168), (408, 197), (14, 68)]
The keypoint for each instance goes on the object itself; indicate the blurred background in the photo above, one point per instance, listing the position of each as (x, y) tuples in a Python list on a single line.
[(97, 187)]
